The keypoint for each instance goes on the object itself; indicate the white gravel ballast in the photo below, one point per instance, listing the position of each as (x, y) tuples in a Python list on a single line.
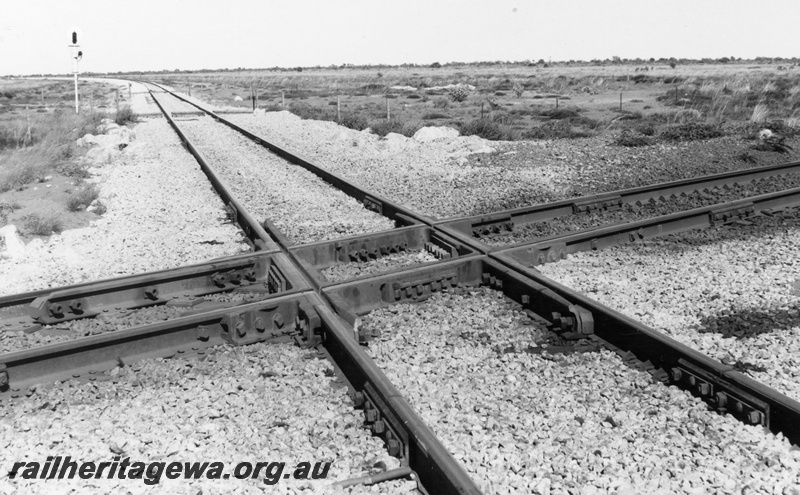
[(300, 204), (161, 213), (527, 422), (731, 292), (261, 403), (467, 175)]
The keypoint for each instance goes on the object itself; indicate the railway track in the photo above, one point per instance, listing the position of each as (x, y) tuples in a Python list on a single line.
[(287, 289)]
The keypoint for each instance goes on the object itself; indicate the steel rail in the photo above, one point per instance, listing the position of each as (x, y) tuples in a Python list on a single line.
[(558, 247), (252, 229), (89, 357), (724, 388), (389, 415), (400, 214), (574, 315), (270, 272), (508, 220)]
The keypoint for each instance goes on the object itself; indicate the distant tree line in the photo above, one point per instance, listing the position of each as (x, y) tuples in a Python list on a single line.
[(615, 60)]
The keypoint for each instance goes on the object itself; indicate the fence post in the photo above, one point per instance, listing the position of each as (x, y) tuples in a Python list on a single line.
[(338, 109), (620, 101), (388, 115)]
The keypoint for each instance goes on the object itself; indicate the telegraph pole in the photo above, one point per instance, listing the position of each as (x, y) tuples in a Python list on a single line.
[(76, 56)]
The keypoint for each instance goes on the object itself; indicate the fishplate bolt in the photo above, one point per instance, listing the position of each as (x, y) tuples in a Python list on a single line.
[(56, 310), (241, 329), (218, 279), (393, 446), (371, 415), (260, 325), (358, 399), (75, 306), (379, 427), (3, 379)]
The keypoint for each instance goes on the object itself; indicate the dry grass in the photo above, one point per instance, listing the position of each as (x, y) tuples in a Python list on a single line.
[(52, 145), (81, 199), (42, 224)]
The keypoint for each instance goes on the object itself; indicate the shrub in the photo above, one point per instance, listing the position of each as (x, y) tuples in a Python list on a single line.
[(306, 111), (35, 224), (434, 116), (124, 115), (692, 131), (441, 102), (83, 198), (559, 113), (458, 93), (353, 121), (560, 129), (518, 89), (384, 127), (487, 129), (630, 140)]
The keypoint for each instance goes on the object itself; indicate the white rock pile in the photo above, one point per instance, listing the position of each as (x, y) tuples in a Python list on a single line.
[(470, 176)]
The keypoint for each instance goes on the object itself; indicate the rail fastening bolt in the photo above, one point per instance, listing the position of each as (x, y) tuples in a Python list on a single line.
[(278, 320), (393, 446), (754, 417), (704, 389), (56, 310), (721, 399), (241, 331), (371, 415), (260, 325), (3, 379), (379, 427)]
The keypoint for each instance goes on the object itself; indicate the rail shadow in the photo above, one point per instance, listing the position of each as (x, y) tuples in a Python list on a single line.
[(749, 323)]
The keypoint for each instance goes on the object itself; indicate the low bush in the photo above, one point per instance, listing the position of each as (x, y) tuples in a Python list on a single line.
[(692, 131), (353, 120), (560, 129), (487, 129), (630, 139), (306, 111), (384, 127), (434, 116), (81, 199), (441, 102), (35, 224), (124, 115), (559, 113), (458, 93)]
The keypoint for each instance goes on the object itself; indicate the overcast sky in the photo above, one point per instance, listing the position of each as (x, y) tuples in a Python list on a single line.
[(212, 34)]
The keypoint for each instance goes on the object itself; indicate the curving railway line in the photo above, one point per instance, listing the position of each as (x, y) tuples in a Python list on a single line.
[(340, 288)]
